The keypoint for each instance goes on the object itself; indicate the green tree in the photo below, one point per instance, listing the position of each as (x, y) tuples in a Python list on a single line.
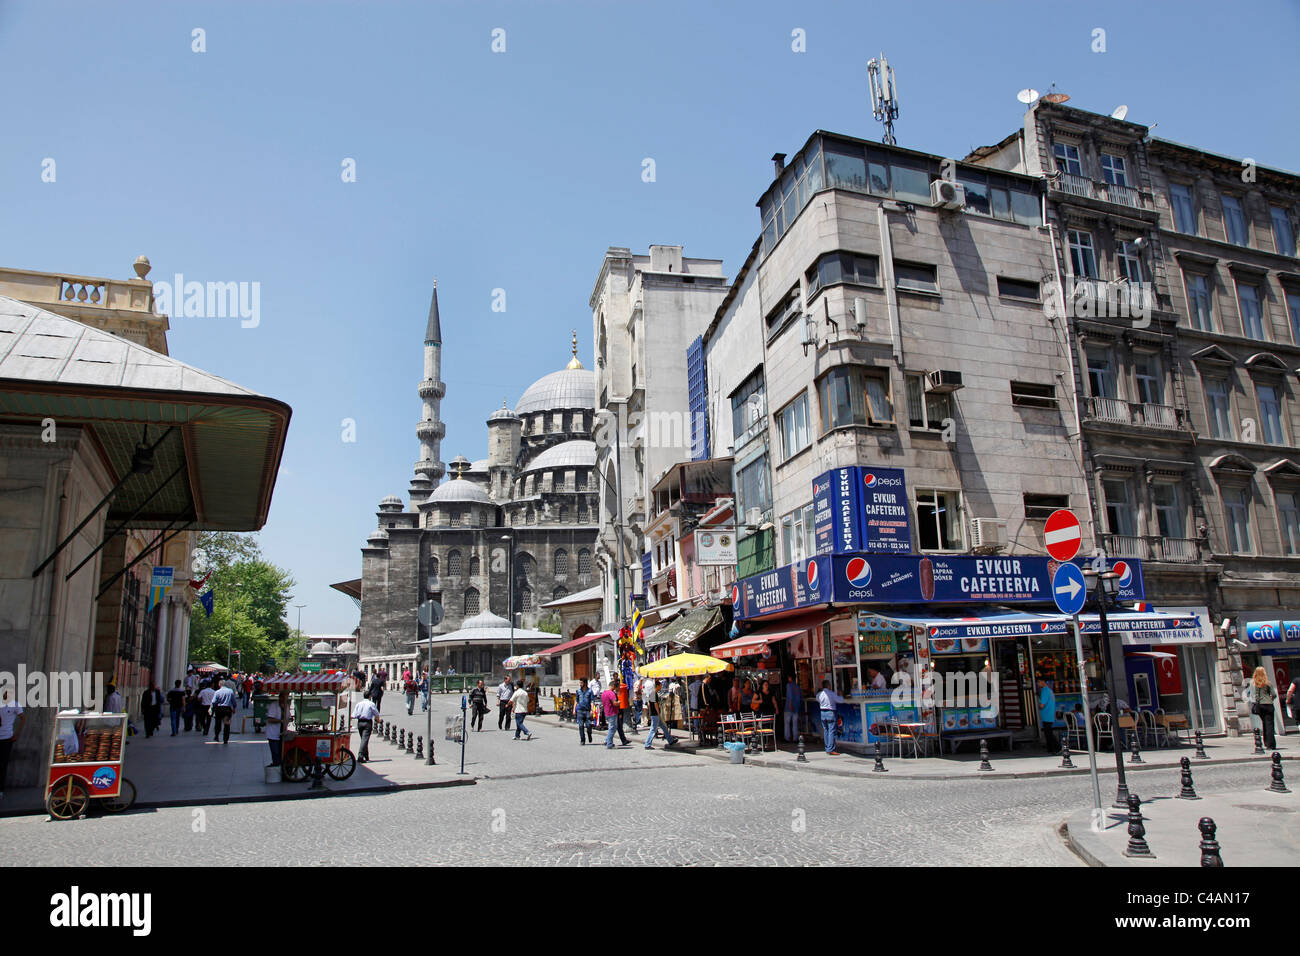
[(250, 598), (550, 624)]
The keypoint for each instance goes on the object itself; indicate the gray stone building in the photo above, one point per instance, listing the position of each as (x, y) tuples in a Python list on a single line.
[(530, 505)]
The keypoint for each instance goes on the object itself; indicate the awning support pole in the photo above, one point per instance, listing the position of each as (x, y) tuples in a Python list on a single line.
[(157, 542), (94, 511), (107, 538)]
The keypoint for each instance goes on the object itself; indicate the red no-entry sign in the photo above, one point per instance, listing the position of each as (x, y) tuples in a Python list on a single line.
[(1062, 535)]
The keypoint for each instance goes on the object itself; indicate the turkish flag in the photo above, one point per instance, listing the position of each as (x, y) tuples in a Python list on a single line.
[(1168, 676), (1282, 677)]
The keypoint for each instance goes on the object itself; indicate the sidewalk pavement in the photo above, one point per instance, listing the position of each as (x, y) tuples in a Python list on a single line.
[(964, 766), (190, 770), (1255, 828)]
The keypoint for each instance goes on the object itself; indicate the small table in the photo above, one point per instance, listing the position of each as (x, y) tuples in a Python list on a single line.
[(915, 733), (1176, 724)]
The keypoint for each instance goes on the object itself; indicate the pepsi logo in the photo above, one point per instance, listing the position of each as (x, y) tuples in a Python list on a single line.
[(858, 572), (812, 576), (869, 480), (1124, 571), (934, 632), (1045, 625), (735, 596)]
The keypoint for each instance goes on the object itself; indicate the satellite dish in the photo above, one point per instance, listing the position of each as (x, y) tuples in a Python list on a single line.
[(1056, 97), (1120, 112), (1027, 96)]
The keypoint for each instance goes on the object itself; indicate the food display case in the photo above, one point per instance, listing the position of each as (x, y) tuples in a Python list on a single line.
[(86, 764), (321, 728)]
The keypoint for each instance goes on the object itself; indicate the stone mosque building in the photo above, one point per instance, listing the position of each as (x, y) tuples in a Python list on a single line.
[(534, 496)]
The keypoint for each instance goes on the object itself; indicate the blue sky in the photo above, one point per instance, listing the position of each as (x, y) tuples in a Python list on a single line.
[(510, 170)]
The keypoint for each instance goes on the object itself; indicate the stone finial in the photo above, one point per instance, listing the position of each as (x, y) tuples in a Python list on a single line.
[(142, 266)]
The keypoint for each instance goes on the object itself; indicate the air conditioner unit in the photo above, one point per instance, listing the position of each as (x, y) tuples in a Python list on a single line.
[(945, 194), (988, 534), (943, 380), (753, 516)]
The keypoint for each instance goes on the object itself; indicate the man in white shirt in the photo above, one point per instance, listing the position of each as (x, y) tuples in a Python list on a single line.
[(11, 724), (223, 708), (827, 699), (364, 713), (113, 703), (202, 709), (276, 712), (505, 690), (520, 702)]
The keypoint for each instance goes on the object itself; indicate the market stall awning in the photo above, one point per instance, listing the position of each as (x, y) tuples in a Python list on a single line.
[(760, 640), (687, 628), (991, 622), (214, 447), (577, 644), (522, 660), (1133, 627), (306, 683)]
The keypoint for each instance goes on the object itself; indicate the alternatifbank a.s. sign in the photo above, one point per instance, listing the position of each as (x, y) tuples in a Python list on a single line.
[(911, 579), (858, 508)]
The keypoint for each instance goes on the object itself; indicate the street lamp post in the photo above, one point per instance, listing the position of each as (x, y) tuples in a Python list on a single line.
[(1107, 587), (230, 631), (300, 607), (510, 573)]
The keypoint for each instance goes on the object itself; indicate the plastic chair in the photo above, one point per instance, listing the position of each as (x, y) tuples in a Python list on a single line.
[(1103, 729)]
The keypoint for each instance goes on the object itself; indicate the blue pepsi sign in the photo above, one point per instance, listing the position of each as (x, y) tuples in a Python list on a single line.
[(857, 508)]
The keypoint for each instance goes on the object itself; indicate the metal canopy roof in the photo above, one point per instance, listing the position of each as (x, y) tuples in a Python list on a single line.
[(217, 446)]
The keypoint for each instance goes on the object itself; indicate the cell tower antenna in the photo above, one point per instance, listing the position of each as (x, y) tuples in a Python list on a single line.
[(884, 96)]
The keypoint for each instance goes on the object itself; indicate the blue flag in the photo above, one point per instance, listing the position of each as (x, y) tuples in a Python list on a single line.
[(206, 600)]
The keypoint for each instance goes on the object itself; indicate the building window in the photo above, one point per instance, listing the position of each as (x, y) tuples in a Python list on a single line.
[(525, 599), (1200, 304), (1236, 511), (1033, 395), (797, 535), (454, 517), (584, 562), (748, 409), (1283, 234), (1128, 260), (793, 422), (1218, 408), (752, 488), (786, 308), (471, 601), (915, 277), (1120, 517), (558, 593), (1150, 380), (453, 562), (1114, 170), (1180, 200), (1083, 259), (841, 267), (850, 396), (1018, 289), (1293, 309), (1040, 507), (1270, 413), (1252, 313), (938, 520), (1067, 158), (1288, 519), (433, 565), (1101, 374), (1168, 504), (1234, 221), (561, 563), (926, 410), (473, 566)]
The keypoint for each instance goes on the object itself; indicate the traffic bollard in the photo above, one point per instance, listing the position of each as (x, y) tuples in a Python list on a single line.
[(1066, 762), (1200, 748), (984, 755), (1188, 792), (1137, 844), (803, 755), (1259, 743), (880, 764), (1134, 754), (1278, 785), (1209, 845)]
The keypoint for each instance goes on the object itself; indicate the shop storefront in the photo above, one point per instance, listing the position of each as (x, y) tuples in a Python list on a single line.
[(1173, 669), (1274, 644)]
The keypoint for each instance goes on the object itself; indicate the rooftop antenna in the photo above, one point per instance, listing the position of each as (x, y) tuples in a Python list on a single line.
[(884, 96), (1119, 112), (1052, 96), (1027, 96)]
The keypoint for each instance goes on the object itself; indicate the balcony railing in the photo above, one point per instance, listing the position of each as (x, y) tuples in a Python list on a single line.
[(1109, 410), (1104, 191), (1152, 548), (1120, 412), (1155, 416)]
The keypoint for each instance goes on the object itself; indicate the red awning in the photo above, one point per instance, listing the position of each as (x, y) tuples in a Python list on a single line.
[(757, 642), (577, 644), (306, 683)]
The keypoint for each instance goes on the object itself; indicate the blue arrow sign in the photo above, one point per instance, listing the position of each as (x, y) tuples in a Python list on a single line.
[(1069, 590)]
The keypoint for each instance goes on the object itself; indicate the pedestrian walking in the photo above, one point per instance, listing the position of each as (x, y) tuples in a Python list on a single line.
[(364, 713), (1293, 698), (505, 690), (1262, 698), (733, 696), (12, 720), (424, 692), (248, 691), (376, 691), (638, 695), (151, 709), (1047, 716), (203, 708), (191, 703), (113, 703), (651, 706), (520, 702), (223, 708), (582, 712), (793, 709), (609, 706), (410, 689), (176, 706), (827, 699), (277, 712), (478, 706)]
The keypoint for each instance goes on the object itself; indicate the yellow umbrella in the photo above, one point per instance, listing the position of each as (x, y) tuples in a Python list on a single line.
[(683, 665)]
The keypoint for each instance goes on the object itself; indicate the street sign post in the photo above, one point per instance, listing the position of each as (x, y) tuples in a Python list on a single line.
[(1087, 723), (1062, 534), (1070, 591)]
